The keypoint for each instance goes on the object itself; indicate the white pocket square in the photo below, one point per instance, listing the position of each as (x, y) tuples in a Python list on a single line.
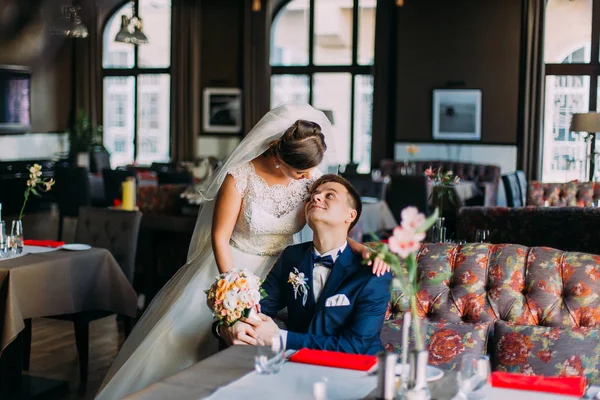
[(337, 301)]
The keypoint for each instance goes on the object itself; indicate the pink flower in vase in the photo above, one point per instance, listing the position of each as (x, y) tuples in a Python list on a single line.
[(412, 219), (405, 241)]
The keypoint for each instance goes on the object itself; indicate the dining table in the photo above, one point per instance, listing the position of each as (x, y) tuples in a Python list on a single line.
[(230, 375), (44, 282)]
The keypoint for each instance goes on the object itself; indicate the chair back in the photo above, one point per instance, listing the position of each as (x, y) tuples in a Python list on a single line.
[(114, 230), (174, 177), (113, 178), (512, 187), (523, 184), (99, 159), (366, 186), (72, 190), (407, 190)]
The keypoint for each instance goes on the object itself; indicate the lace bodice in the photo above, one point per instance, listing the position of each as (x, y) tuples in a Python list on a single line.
[(270, 215)]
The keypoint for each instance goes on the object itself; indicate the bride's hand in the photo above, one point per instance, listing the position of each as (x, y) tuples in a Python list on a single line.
[(380, 267)]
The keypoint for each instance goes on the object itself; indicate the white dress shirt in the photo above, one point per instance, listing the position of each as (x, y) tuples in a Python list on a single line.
[(320, 276)]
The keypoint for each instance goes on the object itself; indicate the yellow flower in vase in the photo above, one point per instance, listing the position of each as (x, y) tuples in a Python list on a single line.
[(35, 185)]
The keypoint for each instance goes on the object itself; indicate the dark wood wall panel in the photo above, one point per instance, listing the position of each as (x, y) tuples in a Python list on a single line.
[(471, 41)]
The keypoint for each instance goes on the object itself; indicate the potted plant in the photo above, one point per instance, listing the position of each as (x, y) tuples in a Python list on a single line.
[(82, 138)]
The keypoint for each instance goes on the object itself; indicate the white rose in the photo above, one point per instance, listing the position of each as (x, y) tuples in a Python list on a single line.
[(230, 301), (255, 295)]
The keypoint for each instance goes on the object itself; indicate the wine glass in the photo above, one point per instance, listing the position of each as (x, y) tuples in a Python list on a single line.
[(269, 359), (482, 236)]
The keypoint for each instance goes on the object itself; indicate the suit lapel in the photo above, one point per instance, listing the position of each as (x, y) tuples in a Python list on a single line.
[(343, 267)]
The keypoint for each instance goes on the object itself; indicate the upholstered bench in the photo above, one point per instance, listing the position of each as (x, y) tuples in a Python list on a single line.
[(535, 310)]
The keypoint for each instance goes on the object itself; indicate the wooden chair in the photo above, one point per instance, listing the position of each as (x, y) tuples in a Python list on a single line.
[(117, 231)]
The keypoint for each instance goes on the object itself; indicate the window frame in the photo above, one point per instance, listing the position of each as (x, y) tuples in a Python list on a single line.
[(310, 69), (134, 71)]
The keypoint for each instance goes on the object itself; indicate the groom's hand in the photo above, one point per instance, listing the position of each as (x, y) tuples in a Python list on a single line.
[(239, 333), (265, 329)]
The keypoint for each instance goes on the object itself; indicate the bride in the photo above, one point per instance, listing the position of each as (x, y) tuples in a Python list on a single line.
[(253, 208)]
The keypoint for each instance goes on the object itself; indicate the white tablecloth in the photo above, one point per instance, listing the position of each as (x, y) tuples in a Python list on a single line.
[(295, 382)]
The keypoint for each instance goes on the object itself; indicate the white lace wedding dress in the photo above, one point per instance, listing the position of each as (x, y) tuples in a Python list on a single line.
[(175, 331)]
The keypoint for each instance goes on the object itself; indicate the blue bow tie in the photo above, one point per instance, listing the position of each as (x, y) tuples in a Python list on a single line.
[(326, 261)]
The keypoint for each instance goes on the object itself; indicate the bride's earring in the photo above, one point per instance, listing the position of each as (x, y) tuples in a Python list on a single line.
[(277, 165)]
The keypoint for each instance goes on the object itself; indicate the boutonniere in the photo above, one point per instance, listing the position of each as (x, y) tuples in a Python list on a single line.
[(300, 284)]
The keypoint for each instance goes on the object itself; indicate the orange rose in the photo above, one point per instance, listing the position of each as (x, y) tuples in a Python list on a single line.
[(221, 284), (241, 283), (220, 294)]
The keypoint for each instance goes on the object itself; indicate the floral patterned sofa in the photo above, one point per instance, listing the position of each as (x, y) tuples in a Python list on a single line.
[(535, 310), (487, 177), (570, 194), (567, 228)]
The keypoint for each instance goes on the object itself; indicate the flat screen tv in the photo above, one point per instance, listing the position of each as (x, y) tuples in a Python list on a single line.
[(15, 99)]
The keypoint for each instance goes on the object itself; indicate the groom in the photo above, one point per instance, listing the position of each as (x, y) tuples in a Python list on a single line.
[(333, 301)]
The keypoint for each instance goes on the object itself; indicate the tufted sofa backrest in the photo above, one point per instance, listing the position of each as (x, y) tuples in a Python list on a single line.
[(513, 283), (571, 194)]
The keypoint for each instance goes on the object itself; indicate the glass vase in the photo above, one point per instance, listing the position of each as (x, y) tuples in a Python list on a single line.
[(15, 240), (438, 231), (413, 378)]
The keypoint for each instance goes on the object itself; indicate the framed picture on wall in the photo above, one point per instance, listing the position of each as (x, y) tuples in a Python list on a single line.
[(222, 110), (457, 114)]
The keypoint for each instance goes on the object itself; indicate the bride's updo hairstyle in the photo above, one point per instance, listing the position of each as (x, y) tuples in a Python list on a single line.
[(302, 146)]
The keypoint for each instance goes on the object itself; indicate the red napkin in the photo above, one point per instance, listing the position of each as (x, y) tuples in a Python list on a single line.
[(334, 359), (43, 243), (567, 385)]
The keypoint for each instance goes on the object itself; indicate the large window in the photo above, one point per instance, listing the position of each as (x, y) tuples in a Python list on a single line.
[(137, 87), (322, 53), (571, 55)]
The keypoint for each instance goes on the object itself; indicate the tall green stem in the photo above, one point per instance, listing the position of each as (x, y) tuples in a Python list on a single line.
[(419, 345), (26, 196)]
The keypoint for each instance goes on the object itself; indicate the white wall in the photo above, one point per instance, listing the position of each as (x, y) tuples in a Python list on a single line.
[(503, 156), (32, 146)]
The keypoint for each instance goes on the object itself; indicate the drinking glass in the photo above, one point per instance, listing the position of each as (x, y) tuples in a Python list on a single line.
[(16, 237), (3, 240), (269, 359), (482, 236), (473, 375)]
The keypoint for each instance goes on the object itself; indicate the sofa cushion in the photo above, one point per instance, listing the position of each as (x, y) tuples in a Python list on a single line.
[(537, 350), (447, 342)]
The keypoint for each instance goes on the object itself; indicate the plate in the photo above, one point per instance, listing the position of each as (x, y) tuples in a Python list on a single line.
[(76, 246), (433, 373)]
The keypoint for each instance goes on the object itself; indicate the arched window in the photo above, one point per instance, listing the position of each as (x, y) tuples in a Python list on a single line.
[(137, 86), (572, 65), (322, 53)]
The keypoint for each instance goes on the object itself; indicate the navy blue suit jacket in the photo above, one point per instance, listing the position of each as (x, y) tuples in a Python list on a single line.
[(353, 328)]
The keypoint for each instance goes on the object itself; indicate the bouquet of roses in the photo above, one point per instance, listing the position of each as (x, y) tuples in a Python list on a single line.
[(234, 295)]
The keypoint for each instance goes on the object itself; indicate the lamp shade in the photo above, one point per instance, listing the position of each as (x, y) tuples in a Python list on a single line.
[(586, 122)]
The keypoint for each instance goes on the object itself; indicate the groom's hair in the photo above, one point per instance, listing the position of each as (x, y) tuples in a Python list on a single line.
[(353, 197)]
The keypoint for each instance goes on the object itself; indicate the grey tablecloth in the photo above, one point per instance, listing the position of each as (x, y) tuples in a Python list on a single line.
[(60, 282)]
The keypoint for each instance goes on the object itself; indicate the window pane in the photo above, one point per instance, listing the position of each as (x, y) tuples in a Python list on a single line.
[(568, 31), (333, 92), (156, 15), (118, 119), (116, 54), (289, 88), (363, 114), (289, 34), (564, 152), (153, 118), (366, 31), (333, 32)]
